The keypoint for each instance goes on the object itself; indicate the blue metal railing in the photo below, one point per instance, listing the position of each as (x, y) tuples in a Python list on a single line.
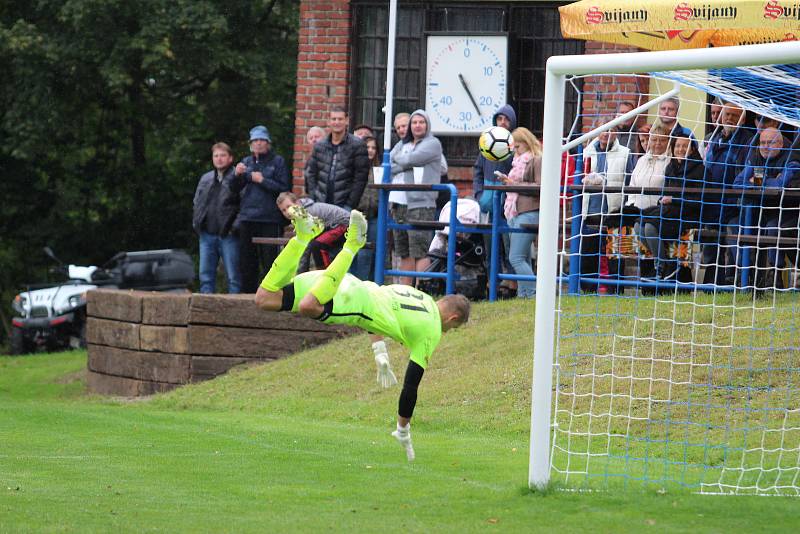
[(575, 277), (384, 224), (500, 227)]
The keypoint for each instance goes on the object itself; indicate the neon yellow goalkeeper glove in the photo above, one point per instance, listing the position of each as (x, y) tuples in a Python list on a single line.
[(403, 436), (385, 375)]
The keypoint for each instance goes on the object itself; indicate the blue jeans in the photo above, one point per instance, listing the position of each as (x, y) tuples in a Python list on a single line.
[(364, 263), (519, 254), (212, 247)]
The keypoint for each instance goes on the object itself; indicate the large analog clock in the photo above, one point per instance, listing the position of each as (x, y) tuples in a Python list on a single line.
[(465, 82)]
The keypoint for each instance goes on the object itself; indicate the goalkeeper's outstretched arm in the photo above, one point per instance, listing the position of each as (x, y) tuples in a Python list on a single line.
[(408, 396), (405, 408)]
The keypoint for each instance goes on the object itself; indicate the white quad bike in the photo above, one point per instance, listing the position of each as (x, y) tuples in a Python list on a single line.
[(53, 316)]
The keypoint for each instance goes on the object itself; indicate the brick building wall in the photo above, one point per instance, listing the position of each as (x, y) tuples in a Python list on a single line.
[(601, 94), (323, 69), (323, 65)]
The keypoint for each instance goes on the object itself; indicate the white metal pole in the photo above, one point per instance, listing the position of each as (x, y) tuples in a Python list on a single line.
[(675, 91), (698, 58), (387, 108), (383, 195), (557, 68), (544, 328)]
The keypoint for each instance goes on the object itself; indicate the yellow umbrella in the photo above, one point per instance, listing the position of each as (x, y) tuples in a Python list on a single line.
[(671, 25)]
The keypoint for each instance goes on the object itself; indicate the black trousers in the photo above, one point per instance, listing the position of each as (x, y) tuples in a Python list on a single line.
[(256, 260), (592, 249)]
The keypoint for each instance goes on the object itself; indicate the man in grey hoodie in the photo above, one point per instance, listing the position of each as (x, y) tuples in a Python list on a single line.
[(419, 148)]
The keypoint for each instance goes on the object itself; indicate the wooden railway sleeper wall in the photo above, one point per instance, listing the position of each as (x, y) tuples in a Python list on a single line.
[(140, 343)]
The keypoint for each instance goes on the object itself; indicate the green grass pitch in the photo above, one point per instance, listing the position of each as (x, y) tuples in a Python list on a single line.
[(303, 445)]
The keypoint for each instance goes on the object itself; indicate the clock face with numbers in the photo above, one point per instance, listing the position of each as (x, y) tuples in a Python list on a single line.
[(466, 82)]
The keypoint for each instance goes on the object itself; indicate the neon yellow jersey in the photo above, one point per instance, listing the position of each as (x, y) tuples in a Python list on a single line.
[(402, 313)]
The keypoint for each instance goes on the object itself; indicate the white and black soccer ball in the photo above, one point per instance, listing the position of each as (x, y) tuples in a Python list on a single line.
[(496, 143)]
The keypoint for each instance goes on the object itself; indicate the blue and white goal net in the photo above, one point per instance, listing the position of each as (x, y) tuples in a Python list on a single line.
[(677, 348)]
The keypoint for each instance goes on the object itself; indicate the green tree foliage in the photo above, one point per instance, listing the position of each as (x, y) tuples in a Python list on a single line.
[(109, 109)]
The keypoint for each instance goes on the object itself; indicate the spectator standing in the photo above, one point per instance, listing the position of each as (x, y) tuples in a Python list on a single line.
[(327, 244), (364, 263), (483, 170), (609, 164), (400, 128), (265, 176), (675, 212), (771, 166), (419, 148), (338, 168), (726, 157), (483, 173), (397, 199), (626, 131), (642, 138), (313, 136), (668, 117), (714, 111), (649, 172), (362, 131), (523, 209), (215, 206)]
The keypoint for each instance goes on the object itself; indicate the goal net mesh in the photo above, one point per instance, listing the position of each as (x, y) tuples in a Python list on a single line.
[(678, 350)]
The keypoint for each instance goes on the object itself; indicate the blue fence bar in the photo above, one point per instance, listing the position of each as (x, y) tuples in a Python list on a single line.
[(494, 254), (383, 212), (499, 227), (574, 287), (748, 221), (384, 224), (575, 279)]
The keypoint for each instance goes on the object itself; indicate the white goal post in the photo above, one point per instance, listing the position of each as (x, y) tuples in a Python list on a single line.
[(549, 255)]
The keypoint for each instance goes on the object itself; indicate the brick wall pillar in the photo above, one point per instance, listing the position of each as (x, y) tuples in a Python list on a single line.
[(323, 64), (602, 94)]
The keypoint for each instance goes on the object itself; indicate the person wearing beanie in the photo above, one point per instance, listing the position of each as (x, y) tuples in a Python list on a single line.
[(266, 176)]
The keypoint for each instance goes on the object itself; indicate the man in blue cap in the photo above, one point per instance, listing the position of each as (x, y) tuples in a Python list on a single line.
[(266, 176)]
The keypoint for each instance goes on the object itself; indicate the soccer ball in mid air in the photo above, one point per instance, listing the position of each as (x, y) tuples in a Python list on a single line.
[(496, 143)]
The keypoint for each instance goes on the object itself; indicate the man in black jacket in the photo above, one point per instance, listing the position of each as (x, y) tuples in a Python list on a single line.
[(265, 177), (216, 204), (339, 166)]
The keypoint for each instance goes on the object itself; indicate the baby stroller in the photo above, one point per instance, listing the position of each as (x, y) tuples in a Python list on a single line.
[(470, 262)]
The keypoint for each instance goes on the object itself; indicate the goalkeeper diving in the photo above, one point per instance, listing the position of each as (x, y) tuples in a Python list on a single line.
[(410, 317)]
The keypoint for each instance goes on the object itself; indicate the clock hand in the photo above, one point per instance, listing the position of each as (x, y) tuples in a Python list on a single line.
[(469, 93)]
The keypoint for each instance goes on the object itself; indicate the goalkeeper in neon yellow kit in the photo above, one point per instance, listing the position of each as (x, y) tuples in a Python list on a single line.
[(402, 313)]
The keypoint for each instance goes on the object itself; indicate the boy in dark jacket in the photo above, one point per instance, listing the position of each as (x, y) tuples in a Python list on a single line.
[(216, 204), (327, 244), (265, 176)]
